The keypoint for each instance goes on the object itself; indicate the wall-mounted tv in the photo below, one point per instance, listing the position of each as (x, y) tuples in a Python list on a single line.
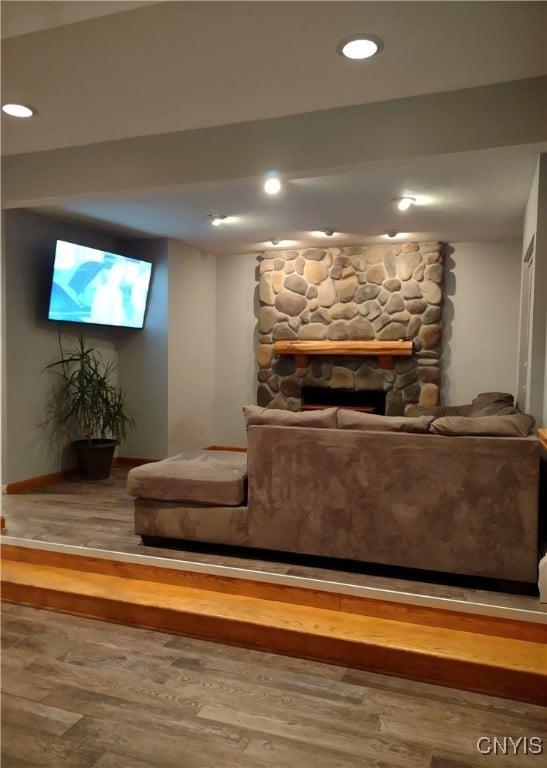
[(93, 286)]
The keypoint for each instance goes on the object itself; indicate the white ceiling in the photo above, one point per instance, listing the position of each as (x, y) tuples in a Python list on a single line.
[(107, 74), (24, 16)]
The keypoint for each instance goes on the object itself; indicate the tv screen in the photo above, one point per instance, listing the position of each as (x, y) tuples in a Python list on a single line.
[(92, 286)]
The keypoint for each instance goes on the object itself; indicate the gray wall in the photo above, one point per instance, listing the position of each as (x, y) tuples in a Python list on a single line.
[(481, 311), (31, 448), (191, 344), (535, 232), (142, 358), (31, 341), (235, 346)]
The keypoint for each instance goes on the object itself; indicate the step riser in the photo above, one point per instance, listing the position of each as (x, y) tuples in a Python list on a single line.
[(293, 595), (509, 683)]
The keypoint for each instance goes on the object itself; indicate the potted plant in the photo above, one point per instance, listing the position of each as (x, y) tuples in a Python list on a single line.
[(90, 407)]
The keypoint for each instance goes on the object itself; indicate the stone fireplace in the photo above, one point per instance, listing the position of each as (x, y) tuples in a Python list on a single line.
[(334, 297)]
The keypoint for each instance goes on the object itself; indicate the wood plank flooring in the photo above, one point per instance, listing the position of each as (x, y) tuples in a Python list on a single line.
[(86, 694)]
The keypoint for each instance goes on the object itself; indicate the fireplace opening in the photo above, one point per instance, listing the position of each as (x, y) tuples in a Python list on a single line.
[(365, 400)]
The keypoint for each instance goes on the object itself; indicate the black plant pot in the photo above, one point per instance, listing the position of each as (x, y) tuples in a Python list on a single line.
[(94, 458)]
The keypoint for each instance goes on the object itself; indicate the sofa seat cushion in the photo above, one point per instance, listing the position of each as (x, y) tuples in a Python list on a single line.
[(203, 479), (514, 425)]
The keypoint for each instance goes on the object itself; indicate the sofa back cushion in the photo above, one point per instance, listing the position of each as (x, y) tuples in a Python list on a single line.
[(324, 418), (513, 425), (348, 419), (439, 410)]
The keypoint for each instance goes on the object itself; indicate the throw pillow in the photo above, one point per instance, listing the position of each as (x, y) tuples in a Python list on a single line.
[(254, 414), (495, 409), (514, 425), (490, 403), (377, 423)]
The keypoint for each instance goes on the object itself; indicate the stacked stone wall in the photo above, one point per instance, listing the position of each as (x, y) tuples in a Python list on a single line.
[(379, 292)]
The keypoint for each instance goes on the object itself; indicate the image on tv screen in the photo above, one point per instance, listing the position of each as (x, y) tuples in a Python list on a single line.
[(92, 286)]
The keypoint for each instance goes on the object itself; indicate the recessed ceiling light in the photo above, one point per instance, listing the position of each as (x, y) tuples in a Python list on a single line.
[(358, 47), (404, 203), (217, 218), (19, 110), (272, 185), (277, 241)]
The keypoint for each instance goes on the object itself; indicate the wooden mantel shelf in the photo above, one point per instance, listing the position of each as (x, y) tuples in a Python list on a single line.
[(376, 348), (384, 350)]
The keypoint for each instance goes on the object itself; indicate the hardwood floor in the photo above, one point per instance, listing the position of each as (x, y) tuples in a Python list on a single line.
[(81, 693), (99, 515)]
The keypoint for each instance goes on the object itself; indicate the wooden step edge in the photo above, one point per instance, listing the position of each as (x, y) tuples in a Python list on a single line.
[(294, 594), (436, 642), (471, 675)]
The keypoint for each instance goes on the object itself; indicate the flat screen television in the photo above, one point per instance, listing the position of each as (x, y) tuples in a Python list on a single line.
[(99, 287)]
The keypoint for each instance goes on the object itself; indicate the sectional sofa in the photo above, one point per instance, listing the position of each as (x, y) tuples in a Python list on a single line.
[(441, 492)]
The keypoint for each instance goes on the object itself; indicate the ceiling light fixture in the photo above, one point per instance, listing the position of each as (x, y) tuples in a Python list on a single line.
[(326, 231), (272, 185), (274, 240), (359, 47), (404, 203), (19, 110), (217, 218), (391, 233)]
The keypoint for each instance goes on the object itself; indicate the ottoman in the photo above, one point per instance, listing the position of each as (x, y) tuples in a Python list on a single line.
[(194, 497)]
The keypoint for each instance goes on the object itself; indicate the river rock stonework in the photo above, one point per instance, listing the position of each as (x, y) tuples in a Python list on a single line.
[(386, 293)]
